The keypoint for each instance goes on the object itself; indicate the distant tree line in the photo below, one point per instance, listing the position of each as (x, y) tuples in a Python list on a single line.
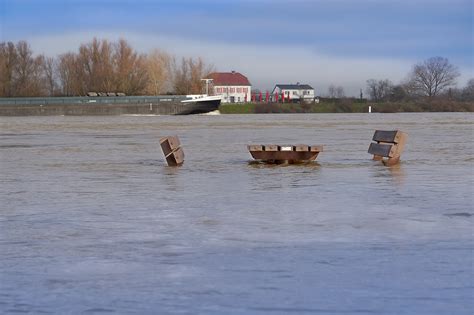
[(434, 78), (97, 66)]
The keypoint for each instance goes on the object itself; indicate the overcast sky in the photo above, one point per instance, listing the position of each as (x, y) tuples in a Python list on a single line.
[(319, 42)]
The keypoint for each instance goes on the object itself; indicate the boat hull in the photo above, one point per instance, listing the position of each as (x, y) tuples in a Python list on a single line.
[(111, 106)]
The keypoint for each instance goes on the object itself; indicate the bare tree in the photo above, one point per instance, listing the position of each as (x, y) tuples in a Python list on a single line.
[(187, 75), (468, 91), (199, 70), (398, 93), (379, 90), (8, 59), (95, 66), (130, 69), (68, 74), (27, 71), (340, 92), (331, 91), (432, 76), (158, 69), (98, 66), (49, 71), (335, 91), (181, 76), (64, 71)]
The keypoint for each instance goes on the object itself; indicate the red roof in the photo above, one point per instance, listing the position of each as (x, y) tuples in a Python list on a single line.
[(229, 78)]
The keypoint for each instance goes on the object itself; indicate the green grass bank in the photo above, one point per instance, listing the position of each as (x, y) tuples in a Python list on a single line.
[(348, 106)]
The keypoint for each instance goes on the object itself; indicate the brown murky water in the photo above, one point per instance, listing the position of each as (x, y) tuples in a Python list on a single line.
[(93, 221)]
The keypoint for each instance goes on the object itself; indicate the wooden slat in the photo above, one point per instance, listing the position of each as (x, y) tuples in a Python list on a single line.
[(176, 158), (316, 148), (286, 148), (293, 156), (274, 147), (172, 150), (169, 144), (174, 142), (301, 148), (392, 136), (381, 149), (255, 147), (270, 147), (277, 154)]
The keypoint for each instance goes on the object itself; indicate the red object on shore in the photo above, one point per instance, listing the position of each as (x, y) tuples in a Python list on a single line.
[(282, 96), (267, 96), (276, 96), (260, 96)]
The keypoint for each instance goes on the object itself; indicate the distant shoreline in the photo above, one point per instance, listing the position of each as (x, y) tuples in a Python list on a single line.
[(338, 106), (346, 106)]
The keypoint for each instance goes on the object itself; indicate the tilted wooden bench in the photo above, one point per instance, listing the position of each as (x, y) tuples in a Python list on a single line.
[(389, 145), (278, 154), (172, 150)]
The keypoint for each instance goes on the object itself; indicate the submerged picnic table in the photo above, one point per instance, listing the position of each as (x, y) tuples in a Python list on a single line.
[(277, 154)]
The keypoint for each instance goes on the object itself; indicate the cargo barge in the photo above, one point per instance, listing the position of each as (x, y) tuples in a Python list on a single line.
[(109, 105)]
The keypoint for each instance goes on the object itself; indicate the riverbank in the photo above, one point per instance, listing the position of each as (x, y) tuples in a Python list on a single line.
[(347, 106)]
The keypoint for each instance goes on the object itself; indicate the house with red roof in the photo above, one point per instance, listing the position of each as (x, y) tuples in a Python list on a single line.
[(233, 86)]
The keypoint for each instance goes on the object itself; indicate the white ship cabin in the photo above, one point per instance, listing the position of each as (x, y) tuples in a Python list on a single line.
[(233, 86)]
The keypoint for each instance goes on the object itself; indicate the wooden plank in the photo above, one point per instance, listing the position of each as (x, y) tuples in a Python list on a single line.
[(172, 150), (392, 136), (173, 141), (401, 140), (389, 144), (316, 148), (381, 149), (391, 161), (285, 148), (176, 157), (169, 144), (270, 147), (301, 148), (277, 154), (255, 147), (291, 156)]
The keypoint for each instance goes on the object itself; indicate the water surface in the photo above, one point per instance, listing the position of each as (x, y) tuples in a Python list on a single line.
[(93, 221)]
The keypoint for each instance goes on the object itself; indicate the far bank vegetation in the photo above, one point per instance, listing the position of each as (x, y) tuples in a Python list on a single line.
[(429, 86), (104, 66), (98, 66)]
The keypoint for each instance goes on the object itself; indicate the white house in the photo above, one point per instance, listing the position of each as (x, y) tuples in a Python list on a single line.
[(294, 92), (233, 86)]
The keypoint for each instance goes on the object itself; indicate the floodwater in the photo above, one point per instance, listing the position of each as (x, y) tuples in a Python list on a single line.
[(92, 220)]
